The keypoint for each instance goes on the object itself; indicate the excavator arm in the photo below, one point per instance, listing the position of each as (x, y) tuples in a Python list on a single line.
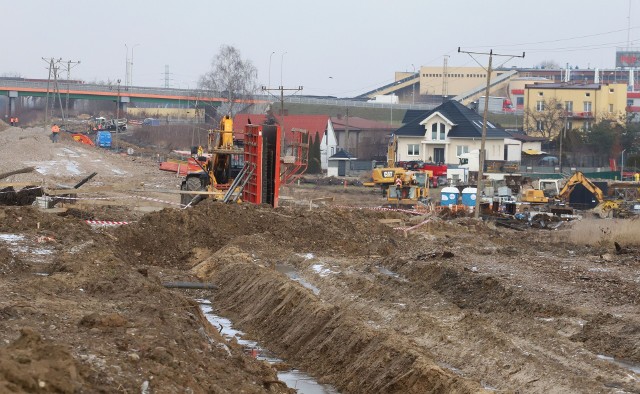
[(578, 178)]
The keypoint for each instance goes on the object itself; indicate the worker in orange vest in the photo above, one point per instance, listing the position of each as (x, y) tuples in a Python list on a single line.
[(55, 130), (15, 121), (11, 121)]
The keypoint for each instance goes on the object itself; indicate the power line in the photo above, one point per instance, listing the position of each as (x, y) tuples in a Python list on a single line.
[(481, 154), (558, 40)]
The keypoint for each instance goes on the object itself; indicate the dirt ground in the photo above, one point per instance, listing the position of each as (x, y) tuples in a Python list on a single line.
[(456, 306)]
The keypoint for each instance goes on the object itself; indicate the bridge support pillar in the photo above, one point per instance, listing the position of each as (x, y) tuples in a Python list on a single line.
[(124, 103), (13, 96)]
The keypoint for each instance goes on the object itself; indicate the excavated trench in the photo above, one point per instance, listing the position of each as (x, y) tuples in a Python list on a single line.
[(346, 299)]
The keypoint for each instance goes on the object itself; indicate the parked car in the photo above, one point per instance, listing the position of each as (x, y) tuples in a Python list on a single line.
[(548, 161)]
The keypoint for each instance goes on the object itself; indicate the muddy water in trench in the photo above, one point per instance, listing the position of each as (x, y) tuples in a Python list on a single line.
[(294, 378)]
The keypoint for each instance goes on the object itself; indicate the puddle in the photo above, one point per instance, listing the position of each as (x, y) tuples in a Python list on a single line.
[(59, 167), (321, 270), (295, 379), (293, 275), (23, 248), (635, 368)]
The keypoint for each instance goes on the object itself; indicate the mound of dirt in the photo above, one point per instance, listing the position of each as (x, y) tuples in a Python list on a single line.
[(31, 364), (167, 238)]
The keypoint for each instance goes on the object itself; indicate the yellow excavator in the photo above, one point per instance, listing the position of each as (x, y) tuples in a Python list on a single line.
[(409, 188), (605, 208)]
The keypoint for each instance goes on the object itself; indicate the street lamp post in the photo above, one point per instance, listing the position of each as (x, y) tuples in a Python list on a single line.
[(269, 83), (281, 62), (126, 66), (622, 166), (131, 65)]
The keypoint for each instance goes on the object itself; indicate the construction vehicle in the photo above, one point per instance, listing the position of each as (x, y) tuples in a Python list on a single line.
[(605, 207), (250, 170), (414, 189), (543, 192), (101, 123), (386, 176)]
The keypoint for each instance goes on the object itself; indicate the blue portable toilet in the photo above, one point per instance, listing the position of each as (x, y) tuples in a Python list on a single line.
[(469, 196), (103, 139), (449, 196)]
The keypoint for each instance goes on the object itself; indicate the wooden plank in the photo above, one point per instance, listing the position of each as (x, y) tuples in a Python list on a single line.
[(390, 221), (93, 189)]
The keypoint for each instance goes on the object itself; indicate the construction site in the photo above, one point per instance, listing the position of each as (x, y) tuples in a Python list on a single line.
[(234, 273)]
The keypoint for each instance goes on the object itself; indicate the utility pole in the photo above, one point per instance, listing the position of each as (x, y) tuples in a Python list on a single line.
[(117, 116), (46, 102), (69, 67), (282, 89), (482, 154)]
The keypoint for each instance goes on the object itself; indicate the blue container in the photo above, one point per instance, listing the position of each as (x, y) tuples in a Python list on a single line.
[(469, 196), (449, 196), (103, 139)]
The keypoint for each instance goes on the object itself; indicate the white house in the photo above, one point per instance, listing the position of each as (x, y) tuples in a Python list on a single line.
[(451, 129)]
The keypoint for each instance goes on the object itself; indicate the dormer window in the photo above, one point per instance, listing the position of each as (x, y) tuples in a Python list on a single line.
[(438, 131)]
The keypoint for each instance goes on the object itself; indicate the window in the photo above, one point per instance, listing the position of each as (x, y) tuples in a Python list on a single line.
[(519, 101), (413, 149), (540, 125), (540, 94), (587, 106), (629, 103), (462, 149), (569, 125), (611, 90), (442, 129), (568, 106), (587, 126), (587, 94), (540, 106), (434, 131), (610, 107)]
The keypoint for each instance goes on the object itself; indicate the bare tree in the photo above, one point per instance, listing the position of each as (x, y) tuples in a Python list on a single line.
[(546, 119), (230, 77), (549, 65)]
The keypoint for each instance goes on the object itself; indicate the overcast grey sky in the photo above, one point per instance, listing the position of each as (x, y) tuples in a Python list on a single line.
[(358, 43)]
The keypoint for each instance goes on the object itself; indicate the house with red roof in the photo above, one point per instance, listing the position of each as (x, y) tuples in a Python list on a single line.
[(316, 125)]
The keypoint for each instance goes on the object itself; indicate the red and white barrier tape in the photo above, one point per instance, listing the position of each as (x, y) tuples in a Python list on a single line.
[(105, 223)]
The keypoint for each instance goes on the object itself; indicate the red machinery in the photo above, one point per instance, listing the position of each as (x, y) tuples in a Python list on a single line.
[(262, 158)]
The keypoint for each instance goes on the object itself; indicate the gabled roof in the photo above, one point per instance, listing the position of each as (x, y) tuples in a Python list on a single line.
[(516, 135), (356, 123), (342, 155), (312, 123), (468, 123)]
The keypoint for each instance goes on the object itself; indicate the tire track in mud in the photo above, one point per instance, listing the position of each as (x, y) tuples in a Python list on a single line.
[(542, 339)]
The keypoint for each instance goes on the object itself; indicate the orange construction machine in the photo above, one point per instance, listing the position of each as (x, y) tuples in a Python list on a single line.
[(245, 166)]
